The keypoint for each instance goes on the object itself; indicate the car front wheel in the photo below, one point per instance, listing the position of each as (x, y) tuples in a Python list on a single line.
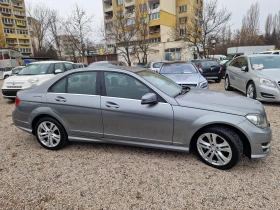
[(50, 134), (219, 147), (6, 76), (251, 91)]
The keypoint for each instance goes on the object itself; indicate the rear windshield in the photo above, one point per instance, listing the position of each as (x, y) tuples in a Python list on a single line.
[(178, 68), (35, 69), (209, 63), (265, 62)]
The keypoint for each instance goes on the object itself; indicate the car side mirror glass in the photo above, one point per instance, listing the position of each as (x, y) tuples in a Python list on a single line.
[(57, 71), (244, 68), (149, 98)]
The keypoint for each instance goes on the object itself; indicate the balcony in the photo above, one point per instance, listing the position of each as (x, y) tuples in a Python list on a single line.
[(25, 50), (129, 10), (12, 42), (18, 5), (154, 6), (154, 31), (24, 42), (108, 16), (5, 2), (6, 11), (129, 3), (107, 5), (19, 13), (8, 23), (21, 23)]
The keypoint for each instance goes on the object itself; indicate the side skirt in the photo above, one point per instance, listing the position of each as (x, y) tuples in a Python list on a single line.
[(129, 143)]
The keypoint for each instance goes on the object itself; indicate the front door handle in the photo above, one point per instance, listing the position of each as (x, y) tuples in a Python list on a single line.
[(112, 105), (60, 99)]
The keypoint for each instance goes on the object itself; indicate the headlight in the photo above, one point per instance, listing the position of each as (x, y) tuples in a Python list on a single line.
[(33, 80), (257, 120), (203, 84), (267, 82)]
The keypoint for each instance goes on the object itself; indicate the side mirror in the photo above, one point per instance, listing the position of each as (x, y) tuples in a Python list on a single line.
[(149, 98), (244, 68), (57, 71)]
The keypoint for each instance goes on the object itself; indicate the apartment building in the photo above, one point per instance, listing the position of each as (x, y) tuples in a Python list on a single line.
[(13, 27), (163, 16)]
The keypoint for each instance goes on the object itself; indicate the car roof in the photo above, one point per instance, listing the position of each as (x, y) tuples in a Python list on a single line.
[(203, 60), (107, 62), (173, 62), (50, 62), (260, 55)]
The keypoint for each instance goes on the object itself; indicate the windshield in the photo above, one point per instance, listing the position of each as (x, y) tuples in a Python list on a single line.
[(161, 82), (209, 63), (35, 69), (265, 62), (102, 64), (178, 68), (16, 70)]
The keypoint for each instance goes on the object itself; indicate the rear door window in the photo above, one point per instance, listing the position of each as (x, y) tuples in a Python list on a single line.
[(82, 83)]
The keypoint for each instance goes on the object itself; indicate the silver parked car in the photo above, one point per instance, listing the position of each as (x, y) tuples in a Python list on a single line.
[(258, 76), (139, 107), (184, 74)]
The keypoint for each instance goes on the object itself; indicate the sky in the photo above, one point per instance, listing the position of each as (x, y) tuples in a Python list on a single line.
[(94, 7)]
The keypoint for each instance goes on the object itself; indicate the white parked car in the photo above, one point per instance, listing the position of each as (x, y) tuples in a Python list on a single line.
[(14, 71), (155, 65), (33, 75)]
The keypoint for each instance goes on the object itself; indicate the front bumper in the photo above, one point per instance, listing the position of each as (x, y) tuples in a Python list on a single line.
[(268, 94), (10, 93), (260, 139)]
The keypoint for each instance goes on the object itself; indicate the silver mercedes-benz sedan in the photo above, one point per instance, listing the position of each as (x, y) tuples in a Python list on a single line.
[(258, 76), (139, 107), (184, 74)]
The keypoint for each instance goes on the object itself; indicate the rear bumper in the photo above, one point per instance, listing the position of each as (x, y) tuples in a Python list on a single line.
[(10, 93), (19, 121)]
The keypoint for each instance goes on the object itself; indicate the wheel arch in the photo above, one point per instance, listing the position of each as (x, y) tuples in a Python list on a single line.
[(243, 137)]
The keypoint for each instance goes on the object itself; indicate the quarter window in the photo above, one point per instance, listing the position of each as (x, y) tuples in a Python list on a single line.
[(124, 86), (59, 87)]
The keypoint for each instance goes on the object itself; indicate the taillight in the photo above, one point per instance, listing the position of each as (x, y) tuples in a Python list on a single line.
[(199, 68), (221, 68), (17, 101)]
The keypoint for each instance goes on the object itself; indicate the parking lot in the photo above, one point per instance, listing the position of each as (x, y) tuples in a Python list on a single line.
[(99, 176)]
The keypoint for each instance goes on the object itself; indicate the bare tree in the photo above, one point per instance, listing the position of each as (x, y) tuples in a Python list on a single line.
[(78, 27), (39, 20), (55, 31), (129, 32), (196, 30)]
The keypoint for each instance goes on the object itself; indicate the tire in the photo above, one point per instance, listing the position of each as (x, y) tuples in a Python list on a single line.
[(227, 84), (47, 140), (219, 147), (251, 91), (218, 80), (6, 76)]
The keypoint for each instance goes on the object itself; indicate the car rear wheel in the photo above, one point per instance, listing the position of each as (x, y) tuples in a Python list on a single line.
[(227, 84), (219, 147), (50, 134), (251, 91), (218, 80)]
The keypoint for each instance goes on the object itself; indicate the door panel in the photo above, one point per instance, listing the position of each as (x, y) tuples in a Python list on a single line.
[(125, 118), (81, 113), (129, 120), (241, 75), (74, 98)]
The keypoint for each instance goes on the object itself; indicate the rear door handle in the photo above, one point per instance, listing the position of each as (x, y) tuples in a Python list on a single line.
[(60, 99), (112, 105)]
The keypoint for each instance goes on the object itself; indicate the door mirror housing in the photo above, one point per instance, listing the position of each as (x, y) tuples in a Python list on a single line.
[(149, 98), (57, 71), (244, 68)]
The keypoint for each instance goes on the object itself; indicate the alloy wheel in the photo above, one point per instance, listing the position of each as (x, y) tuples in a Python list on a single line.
[(226, 83), (214, 149), (48, 134)]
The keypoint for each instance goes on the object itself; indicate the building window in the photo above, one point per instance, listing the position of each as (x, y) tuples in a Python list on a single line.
[(5, 10), (7, 21), (197, 1), (143, 20), (183, 20), (5, 1), (24, 32), (9, 31), (173, 54), (109, 26), (130, 21), (183, 32), (154, 16), (183, 8), (119, 2), (143, 7)]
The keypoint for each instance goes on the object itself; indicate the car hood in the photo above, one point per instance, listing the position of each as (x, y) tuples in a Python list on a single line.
[(273, 74), (220, 102), (185, 78), (27, 77)]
